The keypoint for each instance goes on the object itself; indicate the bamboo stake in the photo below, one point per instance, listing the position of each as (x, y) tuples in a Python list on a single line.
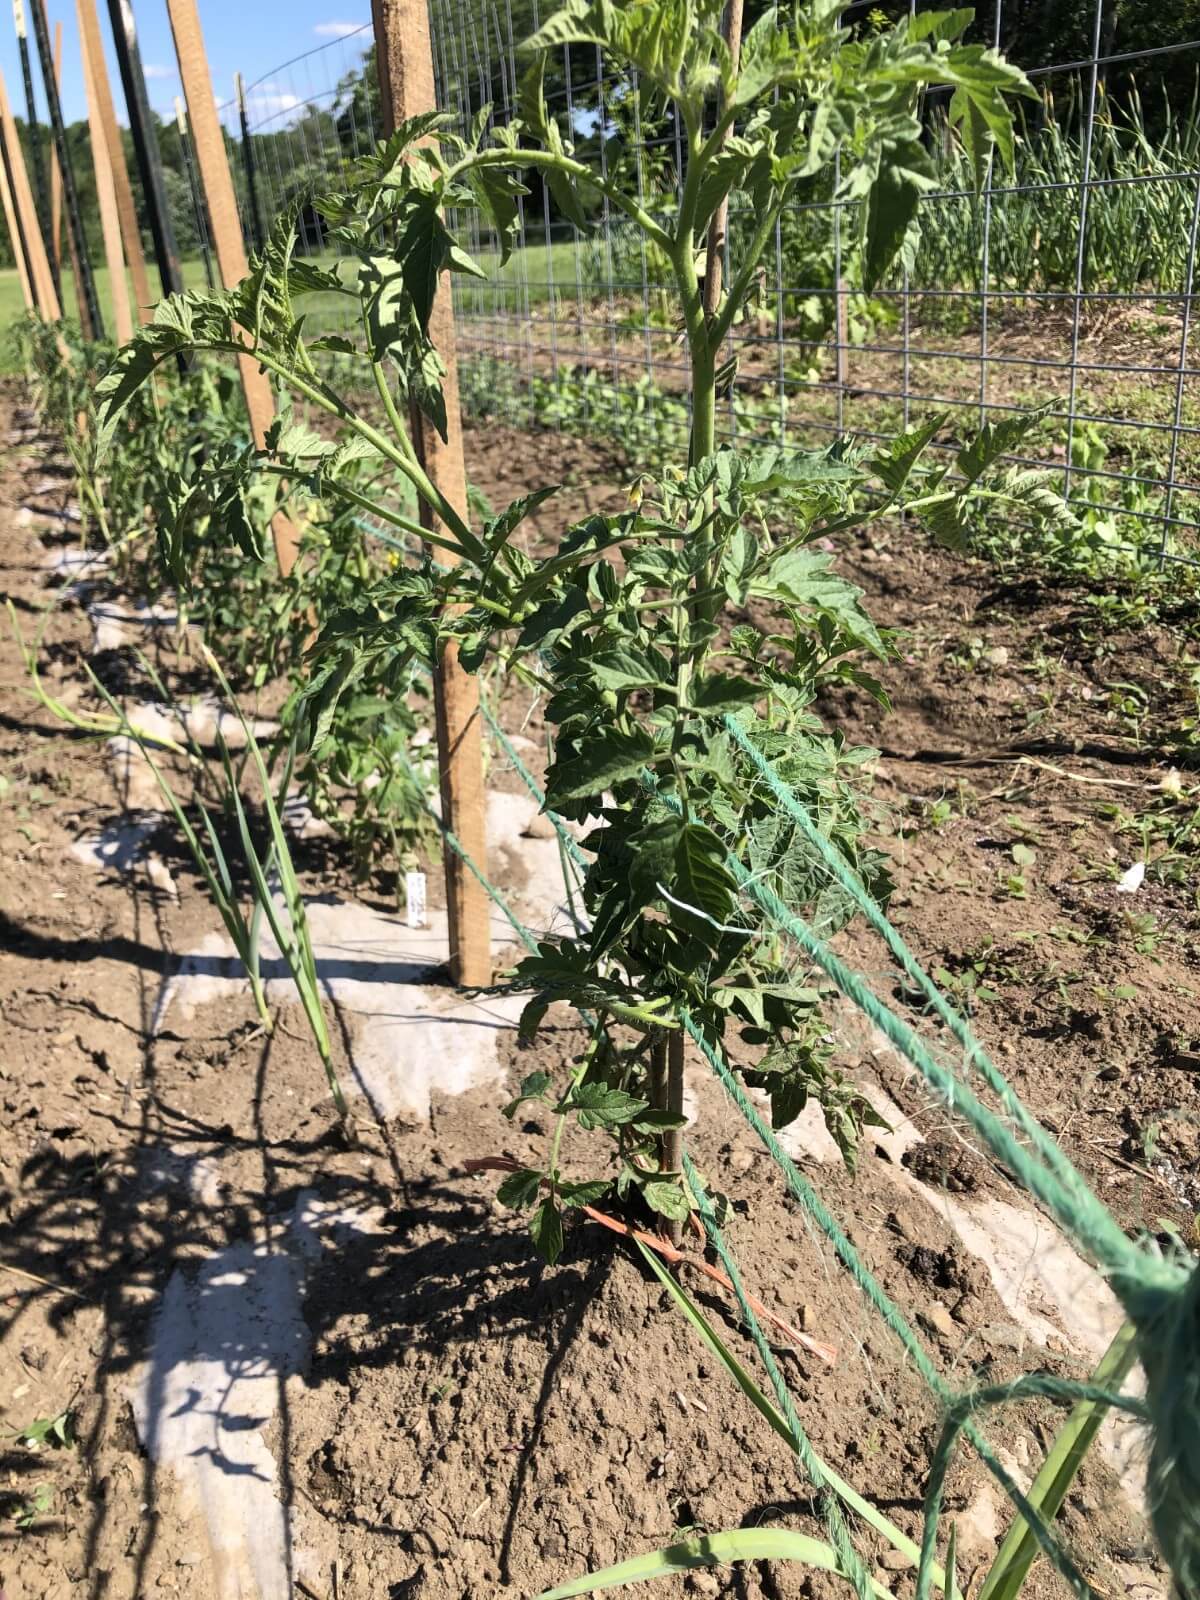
[(39, 263), (405, 63), (208, 146), (106, 195), (131, 234)]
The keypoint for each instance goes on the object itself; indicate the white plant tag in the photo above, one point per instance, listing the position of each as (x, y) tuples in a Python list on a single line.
[(414, 899), (1130, 882)]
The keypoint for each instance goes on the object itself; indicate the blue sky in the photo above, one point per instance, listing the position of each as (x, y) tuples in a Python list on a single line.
[(244, 36)]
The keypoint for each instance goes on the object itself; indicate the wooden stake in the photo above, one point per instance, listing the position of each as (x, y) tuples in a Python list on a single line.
[(58, 129), (39, 263), (131, 234), (106, 195), (405, 60), (213, 162), (56, 201), (14, 234), (55, 170)]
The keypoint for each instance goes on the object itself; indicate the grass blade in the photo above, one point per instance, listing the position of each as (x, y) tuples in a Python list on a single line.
[(1019, 1549), (848, 1495), (711, 1550), (295, 943)]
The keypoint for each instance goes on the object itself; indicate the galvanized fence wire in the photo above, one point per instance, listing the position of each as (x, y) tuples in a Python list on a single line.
[(304, 121), (1071, 280), (1006, 305)]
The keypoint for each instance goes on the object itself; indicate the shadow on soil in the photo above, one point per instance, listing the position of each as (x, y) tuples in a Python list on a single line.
[(124, 1231)]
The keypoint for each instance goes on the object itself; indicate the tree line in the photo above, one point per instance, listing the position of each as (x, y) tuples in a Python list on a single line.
[(301, 151)]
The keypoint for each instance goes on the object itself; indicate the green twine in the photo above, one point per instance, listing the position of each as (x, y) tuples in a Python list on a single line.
[(835, 1522), (812, 1203), (1080, 1213), (1161, 1297), (1032, 1385), (1167, 1318), (871, 909)]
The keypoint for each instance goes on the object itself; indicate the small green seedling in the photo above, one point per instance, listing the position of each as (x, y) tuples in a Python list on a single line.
[(58, 1432), (32, 1508)]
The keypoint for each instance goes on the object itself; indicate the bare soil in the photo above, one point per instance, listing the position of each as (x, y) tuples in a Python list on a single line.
[(459, 1421), (1128, 384)]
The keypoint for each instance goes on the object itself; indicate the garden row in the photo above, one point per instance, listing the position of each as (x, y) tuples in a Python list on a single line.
[(712, 829)]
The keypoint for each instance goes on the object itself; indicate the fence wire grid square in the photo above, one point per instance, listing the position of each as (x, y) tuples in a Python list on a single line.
[(1069, 281)]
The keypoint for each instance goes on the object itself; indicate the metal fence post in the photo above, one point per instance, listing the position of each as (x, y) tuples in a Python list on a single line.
[(405, 62), (106, 195), (145, 145), (1085, 178), (213, 162), (56, 202), (185, 145), (256, 221), (83, 263), (56, 171)]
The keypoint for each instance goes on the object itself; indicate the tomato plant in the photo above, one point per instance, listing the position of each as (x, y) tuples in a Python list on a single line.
[(708, 596)]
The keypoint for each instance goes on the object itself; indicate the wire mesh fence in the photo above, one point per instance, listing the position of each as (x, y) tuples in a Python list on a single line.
[(1069, 281)]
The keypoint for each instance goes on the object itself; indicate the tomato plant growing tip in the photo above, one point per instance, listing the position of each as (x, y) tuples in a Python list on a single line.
[(707, 596)]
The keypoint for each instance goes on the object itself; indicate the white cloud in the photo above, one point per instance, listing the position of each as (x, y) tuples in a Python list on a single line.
[(268, 100), (337, 30), (153, 71)]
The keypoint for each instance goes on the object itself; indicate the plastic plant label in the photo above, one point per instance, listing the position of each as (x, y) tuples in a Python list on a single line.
[(414, 898)]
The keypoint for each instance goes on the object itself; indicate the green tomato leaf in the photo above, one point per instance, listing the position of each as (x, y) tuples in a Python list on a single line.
[(665, 1196), (546, 1229), (533, 1087), (611, 757), (423, 251), (905, 173), (701, 876), (520, 1189), (894, 464), (497, 189), (724, 691), (655, 1121), (598, 1106), (585, 1193), (996, 439), (625, 668)]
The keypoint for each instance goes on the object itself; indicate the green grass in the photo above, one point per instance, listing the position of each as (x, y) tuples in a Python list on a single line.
[(539, 269), (12, 307), (543, 267)]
